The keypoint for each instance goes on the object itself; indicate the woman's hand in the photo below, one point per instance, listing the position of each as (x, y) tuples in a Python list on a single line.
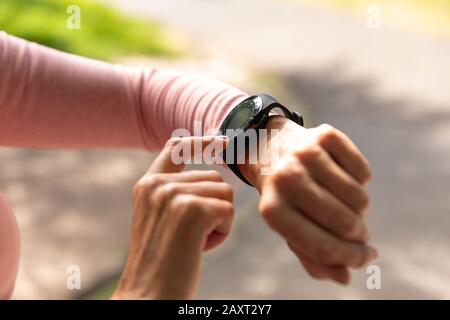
[(315, 196), (176, 216)]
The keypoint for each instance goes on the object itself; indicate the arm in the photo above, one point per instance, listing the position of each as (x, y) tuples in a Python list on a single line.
[(52, 99)]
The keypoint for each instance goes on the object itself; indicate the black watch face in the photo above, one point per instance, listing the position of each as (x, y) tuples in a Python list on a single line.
[(241, 116)]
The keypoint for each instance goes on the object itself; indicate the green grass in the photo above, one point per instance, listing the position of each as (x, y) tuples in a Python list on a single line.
[(104, 34)]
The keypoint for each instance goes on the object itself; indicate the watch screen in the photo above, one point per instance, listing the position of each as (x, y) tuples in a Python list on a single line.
[(241, 116)]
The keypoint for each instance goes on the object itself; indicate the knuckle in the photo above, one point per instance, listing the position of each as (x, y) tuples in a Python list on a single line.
[(228, 209), (192, 212), (167, 190), (173, 141), (314, 273), (326, 253), (366, 174), (327, 133), (178, 204), (350, 229), (309, 154), (228, 191), (140, 185), (364, 203), (325, 127), (214, 175), (290, 171), (187, 208), (184, 203), (269, 210), (356, 195), (149, 183), (367, 257), (281, 176), (137, 189), (364, 257)]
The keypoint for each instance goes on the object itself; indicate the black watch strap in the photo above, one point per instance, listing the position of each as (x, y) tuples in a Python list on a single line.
[(271, 103), (234, 167), (268, 103)]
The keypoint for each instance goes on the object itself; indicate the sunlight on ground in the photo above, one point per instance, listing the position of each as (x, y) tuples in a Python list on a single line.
[(420, 15)]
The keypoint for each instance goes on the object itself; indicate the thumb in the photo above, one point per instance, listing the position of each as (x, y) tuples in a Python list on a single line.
[(179, 151)]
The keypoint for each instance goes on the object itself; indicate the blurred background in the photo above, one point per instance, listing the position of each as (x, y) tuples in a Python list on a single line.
[(377, 70)]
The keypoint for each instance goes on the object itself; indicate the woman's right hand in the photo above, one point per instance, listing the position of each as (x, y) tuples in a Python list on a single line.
[(177, 215)]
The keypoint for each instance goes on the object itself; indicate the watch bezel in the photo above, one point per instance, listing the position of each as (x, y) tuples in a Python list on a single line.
[(255, 108), (263, 104)]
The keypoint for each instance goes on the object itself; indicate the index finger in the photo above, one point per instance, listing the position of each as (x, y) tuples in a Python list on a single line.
[(319, 244), (179, 151)]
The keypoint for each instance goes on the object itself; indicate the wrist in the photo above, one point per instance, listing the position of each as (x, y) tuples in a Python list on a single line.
[(252, 171), (278, 122), (254, 112)]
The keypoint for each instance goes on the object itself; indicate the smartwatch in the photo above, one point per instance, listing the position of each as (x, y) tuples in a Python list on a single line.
[(254, 112)]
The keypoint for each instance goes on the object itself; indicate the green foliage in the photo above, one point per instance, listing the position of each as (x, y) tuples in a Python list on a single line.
[(104, 34)]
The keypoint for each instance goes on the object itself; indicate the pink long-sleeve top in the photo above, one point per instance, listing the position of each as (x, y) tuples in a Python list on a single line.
[(50, 99)]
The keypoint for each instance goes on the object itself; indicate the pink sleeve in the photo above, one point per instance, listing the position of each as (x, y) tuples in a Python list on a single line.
[(50, 99)]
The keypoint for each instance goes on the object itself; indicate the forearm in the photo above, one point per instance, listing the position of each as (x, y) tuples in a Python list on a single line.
[(254, 170), (171, 100), (52, 99)]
